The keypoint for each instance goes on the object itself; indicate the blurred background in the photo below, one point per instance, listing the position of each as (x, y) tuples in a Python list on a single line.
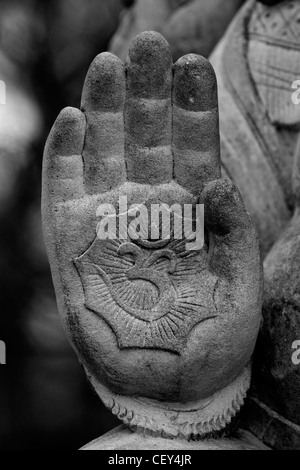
[(45, 50)]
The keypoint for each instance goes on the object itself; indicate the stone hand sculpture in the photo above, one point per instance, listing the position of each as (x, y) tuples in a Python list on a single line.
[(165, 333)]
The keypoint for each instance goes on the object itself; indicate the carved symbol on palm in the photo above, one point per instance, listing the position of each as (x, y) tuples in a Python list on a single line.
[(152, 298)]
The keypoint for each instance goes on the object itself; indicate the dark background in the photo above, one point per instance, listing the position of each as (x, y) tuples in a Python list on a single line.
[(45, 51)]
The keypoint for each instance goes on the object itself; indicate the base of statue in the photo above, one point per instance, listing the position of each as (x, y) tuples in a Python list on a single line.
[(121, 438)]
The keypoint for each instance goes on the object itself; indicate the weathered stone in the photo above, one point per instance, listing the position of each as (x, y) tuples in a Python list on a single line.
[(256, 64), (270, 427), (165, 332), (277, 376), (257, 152), (188, 25), (198, 25), (121, 438), (273, 55)]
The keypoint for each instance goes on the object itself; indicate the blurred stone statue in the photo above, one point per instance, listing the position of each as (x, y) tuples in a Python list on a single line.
[(274, 409), (188, 25), (21, 118), (256, 63), (165, 332), (77, 31)]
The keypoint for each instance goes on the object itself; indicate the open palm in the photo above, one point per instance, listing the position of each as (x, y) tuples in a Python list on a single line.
[(149, 131)]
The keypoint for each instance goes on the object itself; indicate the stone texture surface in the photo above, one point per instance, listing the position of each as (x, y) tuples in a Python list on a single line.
[(255, 63), (194, 332), (189, 25), (256, 154), (204, 417), (123, 439), (273, 57), (277, 378), (269, 427)]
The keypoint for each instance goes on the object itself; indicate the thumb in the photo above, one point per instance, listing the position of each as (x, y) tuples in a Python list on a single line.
[(234, 251)]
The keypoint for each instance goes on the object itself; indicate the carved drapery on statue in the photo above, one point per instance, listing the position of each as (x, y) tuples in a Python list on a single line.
[(256, 63)]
